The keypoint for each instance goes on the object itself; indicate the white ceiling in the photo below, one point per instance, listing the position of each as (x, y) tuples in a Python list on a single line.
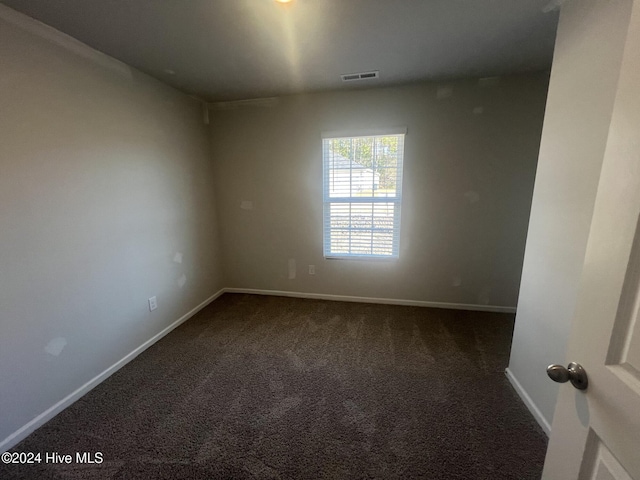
[(224, 50)]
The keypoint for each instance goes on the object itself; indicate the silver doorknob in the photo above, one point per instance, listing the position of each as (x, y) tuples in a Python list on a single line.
[(574, 373)]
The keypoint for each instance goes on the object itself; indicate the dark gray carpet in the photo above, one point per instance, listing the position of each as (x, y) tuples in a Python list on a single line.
[(260, 387)]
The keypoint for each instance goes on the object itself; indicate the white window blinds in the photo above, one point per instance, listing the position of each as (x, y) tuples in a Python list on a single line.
[(362, 189)]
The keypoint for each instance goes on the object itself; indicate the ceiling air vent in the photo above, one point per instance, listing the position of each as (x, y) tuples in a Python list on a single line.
[(350, 77)]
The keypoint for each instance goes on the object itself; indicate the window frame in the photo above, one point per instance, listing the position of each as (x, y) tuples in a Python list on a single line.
[(327, 200)]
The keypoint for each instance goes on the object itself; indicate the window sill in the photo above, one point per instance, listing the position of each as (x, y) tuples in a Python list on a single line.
[(373, 258)]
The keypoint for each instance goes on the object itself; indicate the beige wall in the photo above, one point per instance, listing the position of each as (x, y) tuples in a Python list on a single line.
[(105, 175), (468, 181), (582, 88)]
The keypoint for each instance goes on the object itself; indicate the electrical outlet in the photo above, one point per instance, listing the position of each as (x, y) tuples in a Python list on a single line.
[(153, 304), (312, 269)]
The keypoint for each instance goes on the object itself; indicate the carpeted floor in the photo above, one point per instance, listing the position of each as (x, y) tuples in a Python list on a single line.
[(258, 387)]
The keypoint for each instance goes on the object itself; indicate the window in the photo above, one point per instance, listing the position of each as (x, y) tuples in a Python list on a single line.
[(362, 190)]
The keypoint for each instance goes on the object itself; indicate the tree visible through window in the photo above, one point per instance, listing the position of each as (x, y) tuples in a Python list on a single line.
[(362, 195)]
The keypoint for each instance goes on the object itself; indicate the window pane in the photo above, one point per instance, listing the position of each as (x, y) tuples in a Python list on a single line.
[(361, 242), (361, 215), (387, 182), (363, 151), (383, 243), (340, 241), (384, 216)]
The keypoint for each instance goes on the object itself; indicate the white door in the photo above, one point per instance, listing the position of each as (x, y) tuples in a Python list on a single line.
[(596, 432)]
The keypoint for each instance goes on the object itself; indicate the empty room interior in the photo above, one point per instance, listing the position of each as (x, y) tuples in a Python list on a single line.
[(267, 239)]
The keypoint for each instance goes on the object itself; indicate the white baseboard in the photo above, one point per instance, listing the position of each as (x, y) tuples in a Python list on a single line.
[(52, 411), (386, 301), (535, 411)]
